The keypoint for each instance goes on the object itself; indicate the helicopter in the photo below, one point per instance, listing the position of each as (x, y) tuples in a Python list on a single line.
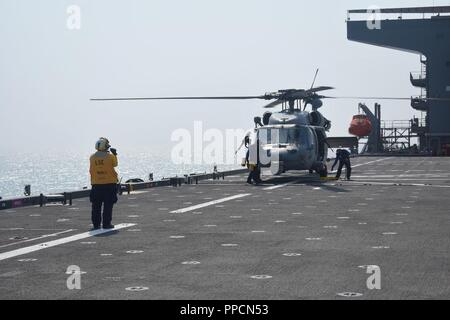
[(292, 139)]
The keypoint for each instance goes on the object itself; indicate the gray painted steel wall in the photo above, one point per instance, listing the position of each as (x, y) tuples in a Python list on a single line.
[(430, 37)]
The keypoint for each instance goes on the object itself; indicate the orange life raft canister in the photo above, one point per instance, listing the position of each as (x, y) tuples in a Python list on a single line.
[(360, 126)]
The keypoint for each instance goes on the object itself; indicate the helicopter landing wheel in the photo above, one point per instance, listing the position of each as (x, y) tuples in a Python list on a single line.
[(323, 172)]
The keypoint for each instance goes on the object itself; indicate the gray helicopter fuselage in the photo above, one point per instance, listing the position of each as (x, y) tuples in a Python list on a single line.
[(292, 141)]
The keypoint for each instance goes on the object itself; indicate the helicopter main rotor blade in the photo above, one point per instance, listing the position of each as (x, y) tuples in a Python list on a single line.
[(265, 97), (322, 88), (386, 98), (273, 104), (283, 95), (367, 98)]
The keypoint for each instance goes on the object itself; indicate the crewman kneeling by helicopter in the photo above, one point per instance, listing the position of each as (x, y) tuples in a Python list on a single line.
[(104, 183), (343, 156)]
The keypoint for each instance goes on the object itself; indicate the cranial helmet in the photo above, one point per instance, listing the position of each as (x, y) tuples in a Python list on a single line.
[(102, 144)]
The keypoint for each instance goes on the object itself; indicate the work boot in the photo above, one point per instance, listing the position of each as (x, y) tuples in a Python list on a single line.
[(95, 228), (110, 226)]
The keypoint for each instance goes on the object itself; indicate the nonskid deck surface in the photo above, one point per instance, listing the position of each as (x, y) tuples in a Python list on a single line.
[(295, 237)]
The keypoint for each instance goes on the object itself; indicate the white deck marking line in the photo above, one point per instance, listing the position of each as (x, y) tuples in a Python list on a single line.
[(281, 185), (138, 192), (396, 184), (415, 176), (427, 185), (408, 171), (38, 238), (398, 179), (293, 182), (363, 164), (221, 185), (24, 229), (210, 203), (54, 243)]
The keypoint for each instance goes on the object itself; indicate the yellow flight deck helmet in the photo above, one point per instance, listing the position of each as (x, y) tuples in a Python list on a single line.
[(102, 144)]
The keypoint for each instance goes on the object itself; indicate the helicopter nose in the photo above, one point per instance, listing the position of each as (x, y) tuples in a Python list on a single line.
[(279, 155)]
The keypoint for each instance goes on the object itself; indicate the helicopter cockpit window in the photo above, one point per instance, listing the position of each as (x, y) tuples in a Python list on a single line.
[(300, 136), (289, 136)]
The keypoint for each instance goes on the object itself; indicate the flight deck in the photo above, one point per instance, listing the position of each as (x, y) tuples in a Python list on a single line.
[(294, 237)]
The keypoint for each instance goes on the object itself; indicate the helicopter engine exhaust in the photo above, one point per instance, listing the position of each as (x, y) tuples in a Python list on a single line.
[(316, 103), (266, 118), (317, 119)]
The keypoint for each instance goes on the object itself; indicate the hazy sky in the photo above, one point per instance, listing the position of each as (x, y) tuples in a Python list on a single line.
[(48, 73)]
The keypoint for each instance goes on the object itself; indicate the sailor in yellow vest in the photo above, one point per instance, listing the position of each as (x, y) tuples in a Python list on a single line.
[(104, 183)]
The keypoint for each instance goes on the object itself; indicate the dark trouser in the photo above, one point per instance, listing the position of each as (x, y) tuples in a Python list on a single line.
[(348, 168), (106, 196), (257, 175), (251, 176), (254, 175)]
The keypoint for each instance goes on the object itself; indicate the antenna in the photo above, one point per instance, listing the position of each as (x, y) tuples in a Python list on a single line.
[(315, 77)]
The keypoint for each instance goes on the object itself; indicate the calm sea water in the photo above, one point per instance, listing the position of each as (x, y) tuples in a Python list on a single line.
[(65, 171)]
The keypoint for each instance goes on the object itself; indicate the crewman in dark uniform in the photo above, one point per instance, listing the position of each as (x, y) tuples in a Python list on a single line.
[(104, 183), (252, 173), (253, 164), (343, 156), (246, 143)]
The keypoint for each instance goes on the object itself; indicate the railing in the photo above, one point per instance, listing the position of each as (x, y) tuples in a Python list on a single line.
[(398, 13), (67, 197), (403, 124), (418, 75), (419, 79), (419, 103), (419, 122), (395, 124)]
